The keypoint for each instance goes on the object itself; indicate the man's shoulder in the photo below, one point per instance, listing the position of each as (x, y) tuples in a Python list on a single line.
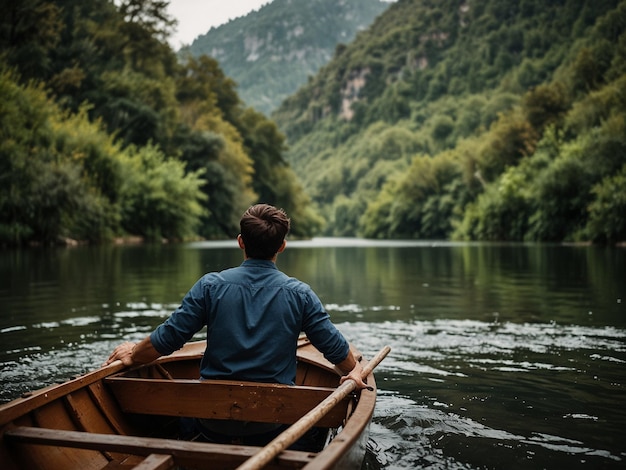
[(298, 286), (223, 274)]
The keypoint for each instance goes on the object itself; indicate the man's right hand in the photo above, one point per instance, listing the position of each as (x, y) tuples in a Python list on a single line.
[(123, 352)]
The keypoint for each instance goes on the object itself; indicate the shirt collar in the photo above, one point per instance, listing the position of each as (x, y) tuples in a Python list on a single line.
[(259, 263)]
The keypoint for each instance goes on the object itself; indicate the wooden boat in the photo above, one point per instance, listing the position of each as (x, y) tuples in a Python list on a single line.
[(116, 417)]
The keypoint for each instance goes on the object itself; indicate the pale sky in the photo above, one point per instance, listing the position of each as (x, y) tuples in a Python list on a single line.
[(196, 17)]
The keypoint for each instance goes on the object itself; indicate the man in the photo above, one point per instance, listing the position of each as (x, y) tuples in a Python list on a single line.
[(254, 314)]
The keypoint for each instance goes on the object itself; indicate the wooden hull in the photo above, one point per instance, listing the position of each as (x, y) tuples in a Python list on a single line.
[(120, 418)]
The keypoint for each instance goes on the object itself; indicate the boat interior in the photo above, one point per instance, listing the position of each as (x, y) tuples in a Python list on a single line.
[(130, 418)]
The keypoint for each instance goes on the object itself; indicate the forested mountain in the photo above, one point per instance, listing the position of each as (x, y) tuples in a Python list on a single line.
[(481, 119), (105, 133), (476, 119), (271, 52)]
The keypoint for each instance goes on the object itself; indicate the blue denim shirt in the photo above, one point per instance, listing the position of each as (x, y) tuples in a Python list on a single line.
[(254, 314)]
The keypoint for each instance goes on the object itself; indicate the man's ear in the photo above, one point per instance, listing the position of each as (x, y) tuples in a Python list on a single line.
[(282, 247), (240, 241)]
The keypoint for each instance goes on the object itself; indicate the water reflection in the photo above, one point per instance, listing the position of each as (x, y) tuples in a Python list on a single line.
[(503, 356), (486, 282)]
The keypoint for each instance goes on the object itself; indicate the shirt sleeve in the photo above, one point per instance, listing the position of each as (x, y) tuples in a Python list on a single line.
[(322, 332), (184, 322)]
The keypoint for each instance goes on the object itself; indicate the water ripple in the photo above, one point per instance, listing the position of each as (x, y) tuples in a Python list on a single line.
[(449, 386)]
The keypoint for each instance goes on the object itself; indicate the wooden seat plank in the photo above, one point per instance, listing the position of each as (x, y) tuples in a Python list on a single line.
[(221, 399), (183, 452)]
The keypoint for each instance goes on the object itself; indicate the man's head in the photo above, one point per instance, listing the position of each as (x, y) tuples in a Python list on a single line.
[(263, 231)]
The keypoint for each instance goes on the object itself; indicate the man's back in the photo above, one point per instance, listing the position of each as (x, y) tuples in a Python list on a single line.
[(253, 322), (254, 314)]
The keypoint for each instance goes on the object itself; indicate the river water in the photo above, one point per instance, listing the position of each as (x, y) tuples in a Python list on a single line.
[(503, 356)]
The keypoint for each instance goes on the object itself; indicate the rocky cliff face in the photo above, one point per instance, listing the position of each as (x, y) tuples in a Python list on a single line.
[(271, 52)]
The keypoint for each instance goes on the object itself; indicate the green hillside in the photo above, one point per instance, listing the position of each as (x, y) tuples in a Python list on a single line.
[(105, 133), (486, 119), (271, 52)]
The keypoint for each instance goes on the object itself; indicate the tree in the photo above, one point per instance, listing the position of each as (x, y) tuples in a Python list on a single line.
[(607, 223), (159, 199), (510, 139), (29, 31), (545, 104)]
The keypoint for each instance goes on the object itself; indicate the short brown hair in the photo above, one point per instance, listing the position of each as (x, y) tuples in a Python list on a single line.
[(263, 229)]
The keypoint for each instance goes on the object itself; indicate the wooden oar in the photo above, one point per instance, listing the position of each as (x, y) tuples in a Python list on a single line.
[(300, 427)]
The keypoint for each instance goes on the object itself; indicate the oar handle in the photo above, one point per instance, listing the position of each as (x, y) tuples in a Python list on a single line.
[(300, 427)]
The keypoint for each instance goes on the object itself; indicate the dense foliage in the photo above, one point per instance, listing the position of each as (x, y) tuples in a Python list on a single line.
[(486, 119), (273, 51), (104, 132), (489, 119)]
